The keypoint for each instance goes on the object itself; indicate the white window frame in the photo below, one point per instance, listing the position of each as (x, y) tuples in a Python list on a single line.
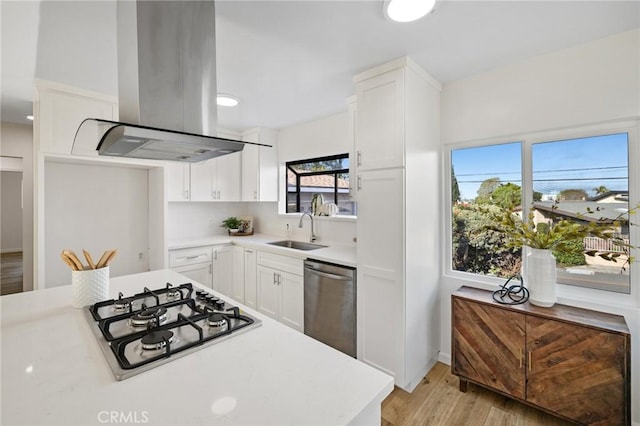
[(565, 292)]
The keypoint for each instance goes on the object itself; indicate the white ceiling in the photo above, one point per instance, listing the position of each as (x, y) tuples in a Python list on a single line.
[(293, 61)]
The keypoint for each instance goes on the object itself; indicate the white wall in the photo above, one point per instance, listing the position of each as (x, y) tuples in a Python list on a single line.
[(11, 211), (317, 138), (591, 83), (334, 230), (16, 140), (192, 220), (95, 207), (84, 55)]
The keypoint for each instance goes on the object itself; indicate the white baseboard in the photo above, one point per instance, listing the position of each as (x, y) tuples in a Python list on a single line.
[(444, 358)]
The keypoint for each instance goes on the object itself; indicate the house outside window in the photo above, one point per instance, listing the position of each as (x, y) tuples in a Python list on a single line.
[(580, 179), (327, 176)]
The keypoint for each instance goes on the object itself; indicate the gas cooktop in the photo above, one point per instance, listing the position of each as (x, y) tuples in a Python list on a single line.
[(140, 332)]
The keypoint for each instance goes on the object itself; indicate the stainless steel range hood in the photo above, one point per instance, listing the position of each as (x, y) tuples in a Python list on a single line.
[(166, 86)]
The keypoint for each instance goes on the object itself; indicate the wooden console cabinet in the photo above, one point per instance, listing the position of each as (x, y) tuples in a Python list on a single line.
[(570, 362)]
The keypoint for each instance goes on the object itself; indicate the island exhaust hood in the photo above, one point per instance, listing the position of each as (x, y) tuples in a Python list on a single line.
[(166, 86)]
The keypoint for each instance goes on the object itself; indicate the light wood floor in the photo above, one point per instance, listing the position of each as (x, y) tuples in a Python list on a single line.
[(437, 401), (10, 273)]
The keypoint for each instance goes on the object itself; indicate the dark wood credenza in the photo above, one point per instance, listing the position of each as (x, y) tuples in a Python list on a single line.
[(570, 362)]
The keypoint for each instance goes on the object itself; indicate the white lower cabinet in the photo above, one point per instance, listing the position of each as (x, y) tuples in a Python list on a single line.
[(280, 289), (194, 262), (250, 278), (200, 273), (237, 284), (223, 269)]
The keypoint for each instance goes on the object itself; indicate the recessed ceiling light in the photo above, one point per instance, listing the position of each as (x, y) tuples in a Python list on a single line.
[(407, 10), (226, 100), (30, 117)]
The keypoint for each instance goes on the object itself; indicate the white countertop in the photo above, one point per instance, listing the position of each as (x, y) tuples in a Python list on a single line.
[(54, 373), (343, 254)]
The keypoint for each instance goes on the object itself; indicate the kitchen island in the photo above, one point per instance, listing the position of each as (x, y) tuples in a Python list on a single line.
[(54, 373)]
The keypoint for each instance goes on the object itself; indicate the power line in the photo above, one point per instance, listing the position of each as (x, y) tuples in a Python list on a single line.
[(542, 171)]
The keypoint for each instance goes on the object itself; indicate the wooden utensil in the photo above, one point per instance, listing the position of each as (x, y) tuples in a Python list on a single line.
[(112, 256), (89, 259), (73, 258), (103, 259), (68, 261), (106, 258)]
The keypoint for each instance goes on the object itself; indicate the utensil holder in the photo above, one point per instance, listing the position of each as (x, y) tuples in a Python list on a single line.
[(89, 286)]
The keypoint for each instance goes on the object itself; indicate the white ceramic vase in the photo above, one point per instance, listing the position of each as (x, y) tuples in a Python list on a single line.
[(89, 286), (539, 276)]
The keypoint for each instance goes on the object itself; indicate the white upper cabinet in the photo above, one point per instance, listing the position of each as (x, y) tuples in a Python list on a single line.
[(380, 121), (217, 179), (227, 182), (178, 176), (260, 166), (58, 112)]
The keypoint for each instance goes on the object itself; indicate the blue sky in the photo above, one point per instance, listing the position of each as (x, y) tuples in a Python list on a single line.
[(583, 163)]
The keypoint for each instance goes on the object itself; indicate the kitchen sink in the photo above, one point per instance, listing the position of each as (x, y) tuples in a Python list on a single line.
[(298, 245)]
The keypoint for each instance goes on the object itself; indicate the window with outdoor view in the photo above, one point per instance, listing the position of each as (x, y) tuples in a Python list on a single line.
[(326, 178), (484, 180), (584, 180), (580, 180)]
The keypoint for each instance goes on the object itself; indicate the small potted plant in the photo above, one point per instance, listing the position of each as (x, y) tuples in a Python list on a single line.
[(232, 224)]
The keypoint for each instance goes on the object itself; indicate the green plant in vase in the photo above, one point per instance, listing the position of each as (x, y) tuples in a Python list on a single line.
[(560, 237), (232, 224)]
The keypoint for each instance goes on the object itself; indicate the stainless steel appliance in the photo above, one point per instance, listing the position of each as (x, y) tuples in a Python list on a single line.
[(330, 304), (148, 329), (166, 86)]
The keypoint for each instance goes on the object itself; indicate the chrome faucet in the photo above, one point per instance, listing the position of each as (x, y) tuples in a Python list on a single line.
[(313, 235)]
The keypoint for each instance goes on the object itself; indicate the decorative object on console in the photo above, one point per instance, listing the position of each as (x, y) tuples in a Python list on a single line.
[(560, 236), (515, 294)]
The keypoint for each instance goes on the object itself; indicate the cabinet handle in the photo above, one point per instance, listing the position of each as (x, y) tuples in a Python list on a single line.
[(195, 257), (529, 358), (274, 278), (521, 356), (210, 270), (255, 195), (359, 186), (215, 255), (186, 194), (219, 196), (248, 251), (213, 195), (358, 158), (279, 279)]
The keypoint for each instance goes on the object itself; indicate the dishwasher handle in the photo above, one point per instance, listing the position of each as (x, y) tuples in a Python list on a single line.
[(328, 275)]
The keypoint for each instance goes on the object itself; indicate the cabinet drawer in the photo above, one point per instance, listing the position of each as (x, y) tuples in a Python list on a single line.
[(292, 265), (189, 256)]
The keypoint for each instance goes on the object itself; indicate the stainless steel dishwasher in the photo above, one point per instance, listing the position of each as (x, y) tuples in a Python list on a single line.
[(330, 304)]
